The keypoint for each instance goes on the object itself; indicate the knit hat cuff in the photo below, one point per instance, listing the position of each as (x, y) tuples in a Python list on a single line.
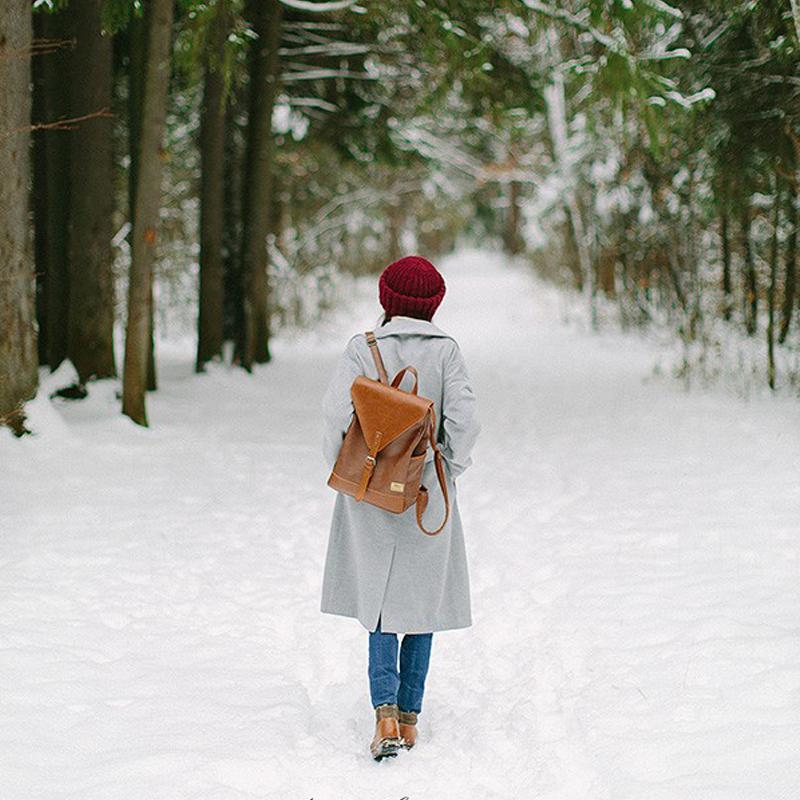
[(407, 305)]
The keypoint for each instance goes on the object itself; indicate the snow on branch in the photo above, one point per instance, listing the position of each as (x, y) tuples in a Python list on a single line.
[(665, 8), (687, 101), (312, 102), (331, 49), (553, 12), (796, 16), (680, 52), (316, 74), (309, 5), (307, 25)]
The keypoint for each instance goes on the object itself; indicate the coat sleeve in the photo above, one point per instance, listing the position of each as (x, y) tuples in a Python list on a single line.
[(460, 425), (337, 407)]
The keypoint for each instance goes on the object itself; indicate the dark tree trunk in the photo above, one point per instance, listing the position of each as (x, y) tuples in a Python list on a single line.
[(727, 285), (771, 289), (91, 295), (212, 193), (152, 382), (266, 17), (750, 278), (137, 58), (51, 187), (573, 249), (513, 243), (607, 271), (18, 361), (232, 227), (137, 53), (39, 196), (148, 201), (790, 284)]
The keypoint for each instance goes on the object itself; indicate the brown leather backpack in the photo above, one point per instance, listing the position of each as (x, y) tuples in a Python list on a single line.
[(382, 456)]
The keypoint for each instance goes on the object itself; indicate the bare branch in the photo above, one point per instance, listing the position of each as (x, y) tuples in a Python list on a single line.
[(67, 124)]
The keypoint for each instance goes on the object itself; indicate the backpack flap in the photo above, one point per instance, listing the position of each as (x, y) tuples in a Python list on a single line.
[(384, 413)]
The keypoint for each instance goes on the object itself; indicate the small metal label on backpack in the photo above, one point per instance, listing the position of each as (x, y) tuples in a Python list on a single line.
[(397, 487)]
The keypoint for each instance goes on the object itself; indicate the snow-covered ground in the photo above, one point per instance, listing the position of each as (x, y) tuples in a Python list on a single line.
[(633, 552)]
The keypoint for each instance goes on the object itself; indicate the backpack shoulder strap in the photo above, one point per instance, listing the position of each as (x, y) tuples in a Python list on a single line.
[(376, 355)]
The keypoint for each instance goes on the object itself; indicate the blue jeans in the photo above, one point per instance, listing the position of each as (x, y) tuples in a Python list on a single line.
[(406, 686)]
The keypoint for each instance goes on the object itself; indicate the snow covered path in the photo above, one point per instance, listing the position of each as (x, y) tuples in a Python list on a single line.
[(633, 553)]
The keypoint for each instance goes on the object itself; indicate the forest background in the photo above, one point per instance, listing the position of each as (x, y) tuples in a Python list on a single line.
[(226, 167)]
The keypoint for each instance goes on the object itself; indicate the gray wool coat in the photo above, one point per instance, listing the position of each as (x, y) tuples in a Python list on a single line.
[(380, 564)]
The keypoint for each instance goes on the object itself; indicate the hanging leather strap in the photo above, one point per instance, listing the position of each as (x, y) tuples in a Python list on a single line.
[(422, 497), (376, 355)]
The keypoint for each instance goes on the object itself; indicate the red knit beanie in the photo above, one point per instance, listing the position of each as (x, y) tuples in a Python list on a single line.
[(411, 287)]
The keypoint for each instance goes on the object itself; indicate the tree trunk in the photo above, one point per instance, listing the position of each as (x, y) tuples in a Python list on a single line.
[(137, 54), (146, 214), (137, 59), (581, 265), (39, 193), (750, 278), (90, 343), (212, 193), (727, 285), (266, 17), (152, 381), (773, 277), (607, 271), (395, 219), (18, 361), (513, 243), (557, 125), (51, 188), (233, 302), (790, 284)]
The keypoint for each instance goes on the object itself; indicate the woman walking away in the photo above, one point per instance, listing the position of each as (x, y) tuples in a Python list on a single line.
[(380, 567)]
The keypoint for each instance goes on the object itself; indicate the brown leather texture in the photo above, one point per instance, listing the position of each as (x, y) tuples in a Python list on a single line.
[(382, 457), (408, 735), (386, 739), (387, 731), (408, 728)]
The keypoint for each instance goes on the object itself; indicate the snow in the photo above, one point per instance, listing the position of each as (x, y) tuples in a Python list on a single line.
[(633, 552)]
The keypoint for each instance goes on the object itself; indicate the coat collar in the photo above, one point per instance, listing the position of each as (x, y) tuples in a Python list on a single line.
[(399, 325)]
